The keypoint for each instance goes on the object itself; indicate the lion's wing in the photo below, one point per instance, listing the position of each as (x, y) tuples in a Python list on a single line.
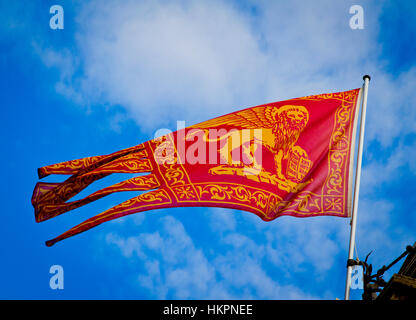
[(258, 117)]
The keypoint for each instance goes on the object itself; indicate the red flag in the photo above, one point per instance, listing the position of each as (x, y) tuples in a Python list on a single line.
[(290, 157)]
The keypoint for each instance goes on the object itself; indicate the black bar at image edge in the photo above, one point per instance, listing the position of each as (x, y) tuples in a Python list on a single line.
[(200, 309)]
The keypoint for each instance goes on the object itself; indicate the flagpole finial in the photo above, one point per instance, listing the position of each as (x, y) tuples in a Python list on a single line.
[(367, 77)]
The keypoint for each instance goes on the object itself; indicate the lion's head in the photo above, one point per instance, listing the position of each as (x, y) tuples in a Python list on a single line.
[(290, 122)]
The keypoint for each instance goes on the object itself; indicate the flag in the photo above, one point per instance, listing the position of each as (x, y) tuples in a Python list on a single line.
[(291, 157)]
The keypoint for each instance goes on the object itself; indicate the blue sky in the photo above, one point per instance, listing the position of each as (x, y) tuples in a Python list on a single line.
[(121, 70)]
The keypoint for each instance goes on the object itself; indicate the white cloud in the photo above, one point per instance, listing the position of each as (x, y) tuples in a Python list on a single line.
[(182, 270), (391, 111), (221, 219), (380, 171), (176, 268), (128, 246), (168, 61), (175, 58)]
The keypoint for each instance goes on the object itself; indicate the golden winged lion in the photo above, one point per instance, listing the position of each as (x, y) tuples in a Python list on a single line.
[(278, 130)]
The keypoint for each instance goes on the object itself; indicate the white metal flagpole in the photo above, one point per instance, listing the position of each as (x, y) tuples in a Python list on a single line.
[(366, 79)]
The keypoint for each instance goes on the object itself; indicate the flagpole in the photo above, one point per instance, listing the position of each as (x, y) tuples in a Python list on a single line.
[(366, 79)]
